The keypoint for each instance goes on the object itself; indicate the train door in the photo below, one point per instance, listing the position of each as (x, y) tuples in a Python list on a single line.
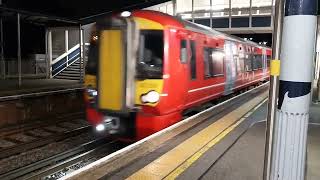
[(230, 67)]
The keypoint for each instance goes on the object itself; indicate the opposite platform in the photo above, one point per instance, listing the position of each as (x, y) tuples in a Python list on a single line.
[(10, 87)]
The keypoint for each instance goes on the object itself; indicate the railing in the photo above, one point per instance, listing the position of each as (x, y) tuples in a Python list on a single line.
[(65, 60)]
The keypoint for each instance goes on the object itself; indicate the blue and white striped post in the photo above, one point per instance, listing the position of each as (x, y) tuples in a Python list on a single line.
[(292, 116)]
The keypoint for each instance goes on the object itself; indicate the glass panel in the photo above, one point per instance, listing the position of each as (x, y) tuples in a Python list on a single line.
[(183, 51), (150, 60), (193, 60), (217, 62), (202, 9), (170, 9), (220, 8), (205, 22), (264, 21), (261, 7), (240, 22), (220, 22), (240, 7), (184, 8), (163, 9), (207, 62)]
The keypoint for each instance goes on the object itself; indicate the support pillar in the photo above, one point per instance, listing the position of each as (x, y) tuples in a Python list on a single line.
[(174, 7), (292, 114), (66, 44), (19, 49), (3, 63), (49, 67), (81, 46)]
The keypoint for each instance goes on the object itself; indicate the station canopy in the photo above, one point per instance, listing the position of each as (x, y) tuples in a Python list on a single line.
[(78, 11)]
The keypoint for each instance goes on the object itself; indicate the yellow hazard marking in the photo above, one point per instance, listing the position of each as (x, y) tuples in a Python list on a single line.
[(110, 79), (147, 24), (213, 142), (177, 160), (275, 67)]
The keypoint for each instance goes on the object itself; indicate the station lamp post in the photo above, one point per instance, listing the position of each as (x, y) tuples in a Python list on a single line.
[(288, 116)]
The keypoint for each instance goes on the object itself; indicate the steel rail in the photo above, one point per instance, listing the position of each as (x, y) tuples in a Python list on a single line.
[(36, 94), (23, 147), (39, 124), (82, 151)]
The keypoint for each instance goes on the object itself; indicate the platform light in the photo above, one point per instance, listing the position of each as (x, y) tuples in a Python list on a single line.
[(100, 127), (150, 97), (125, 14)]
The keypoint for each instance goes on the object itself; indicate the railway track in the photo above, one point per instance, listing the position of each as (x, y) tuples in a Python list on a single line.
[(22, 139), (56, 166)]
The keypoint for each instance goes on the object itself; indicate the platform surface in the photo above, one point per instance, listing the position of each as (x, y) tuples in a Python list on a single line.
[(11, 87), (239, 155)]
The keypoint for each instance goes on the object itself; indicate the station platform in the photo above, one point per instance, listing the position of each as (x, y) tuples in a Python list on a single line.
[(10, 87), (228, 146)]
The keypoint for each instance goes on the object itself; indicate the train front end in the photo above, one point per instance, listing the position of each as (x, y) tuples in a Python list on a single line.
[(124, 75)]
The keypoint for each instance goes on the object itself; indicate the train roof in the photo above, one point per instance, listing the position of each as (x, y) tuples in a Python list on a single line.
[(168, 20)]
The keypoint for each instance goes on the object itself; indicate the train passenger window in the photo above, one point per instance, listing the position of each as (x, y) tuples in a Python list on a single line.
[(241, 63), (268, 60), (183, 51), (217, 57), (208, 71), (193, 62), (257, 61), (150, 58), (248, 62)]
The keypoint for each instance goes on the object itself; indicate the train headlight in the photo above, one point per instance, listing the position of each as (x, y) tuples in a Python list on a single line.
[(92, 92), (100, 127), (150, 97)]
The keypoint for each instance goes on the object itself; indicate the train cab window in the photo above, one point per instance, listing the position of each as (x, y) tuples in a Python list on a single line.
[(193, 63), (183, 51), (92, 63), (150, 58), (217, 57)]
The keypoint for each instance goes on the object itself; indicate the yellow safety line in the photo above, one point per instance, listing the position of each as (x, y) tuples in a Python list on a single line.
[(213, 142), (173, 162)]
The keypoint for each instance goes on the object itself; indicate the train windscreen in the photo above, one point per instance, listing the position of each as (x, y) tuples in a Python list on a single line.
[(92, 64), (150, 57)]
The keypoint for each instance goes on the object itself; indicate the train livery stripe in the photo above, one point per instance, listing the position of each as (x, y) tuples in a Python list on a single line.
[(111, 70), (147, 24)]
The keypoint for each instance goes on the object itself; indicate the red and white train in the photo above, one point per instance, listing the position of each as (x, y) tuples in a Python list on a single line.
[(146, 69)]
